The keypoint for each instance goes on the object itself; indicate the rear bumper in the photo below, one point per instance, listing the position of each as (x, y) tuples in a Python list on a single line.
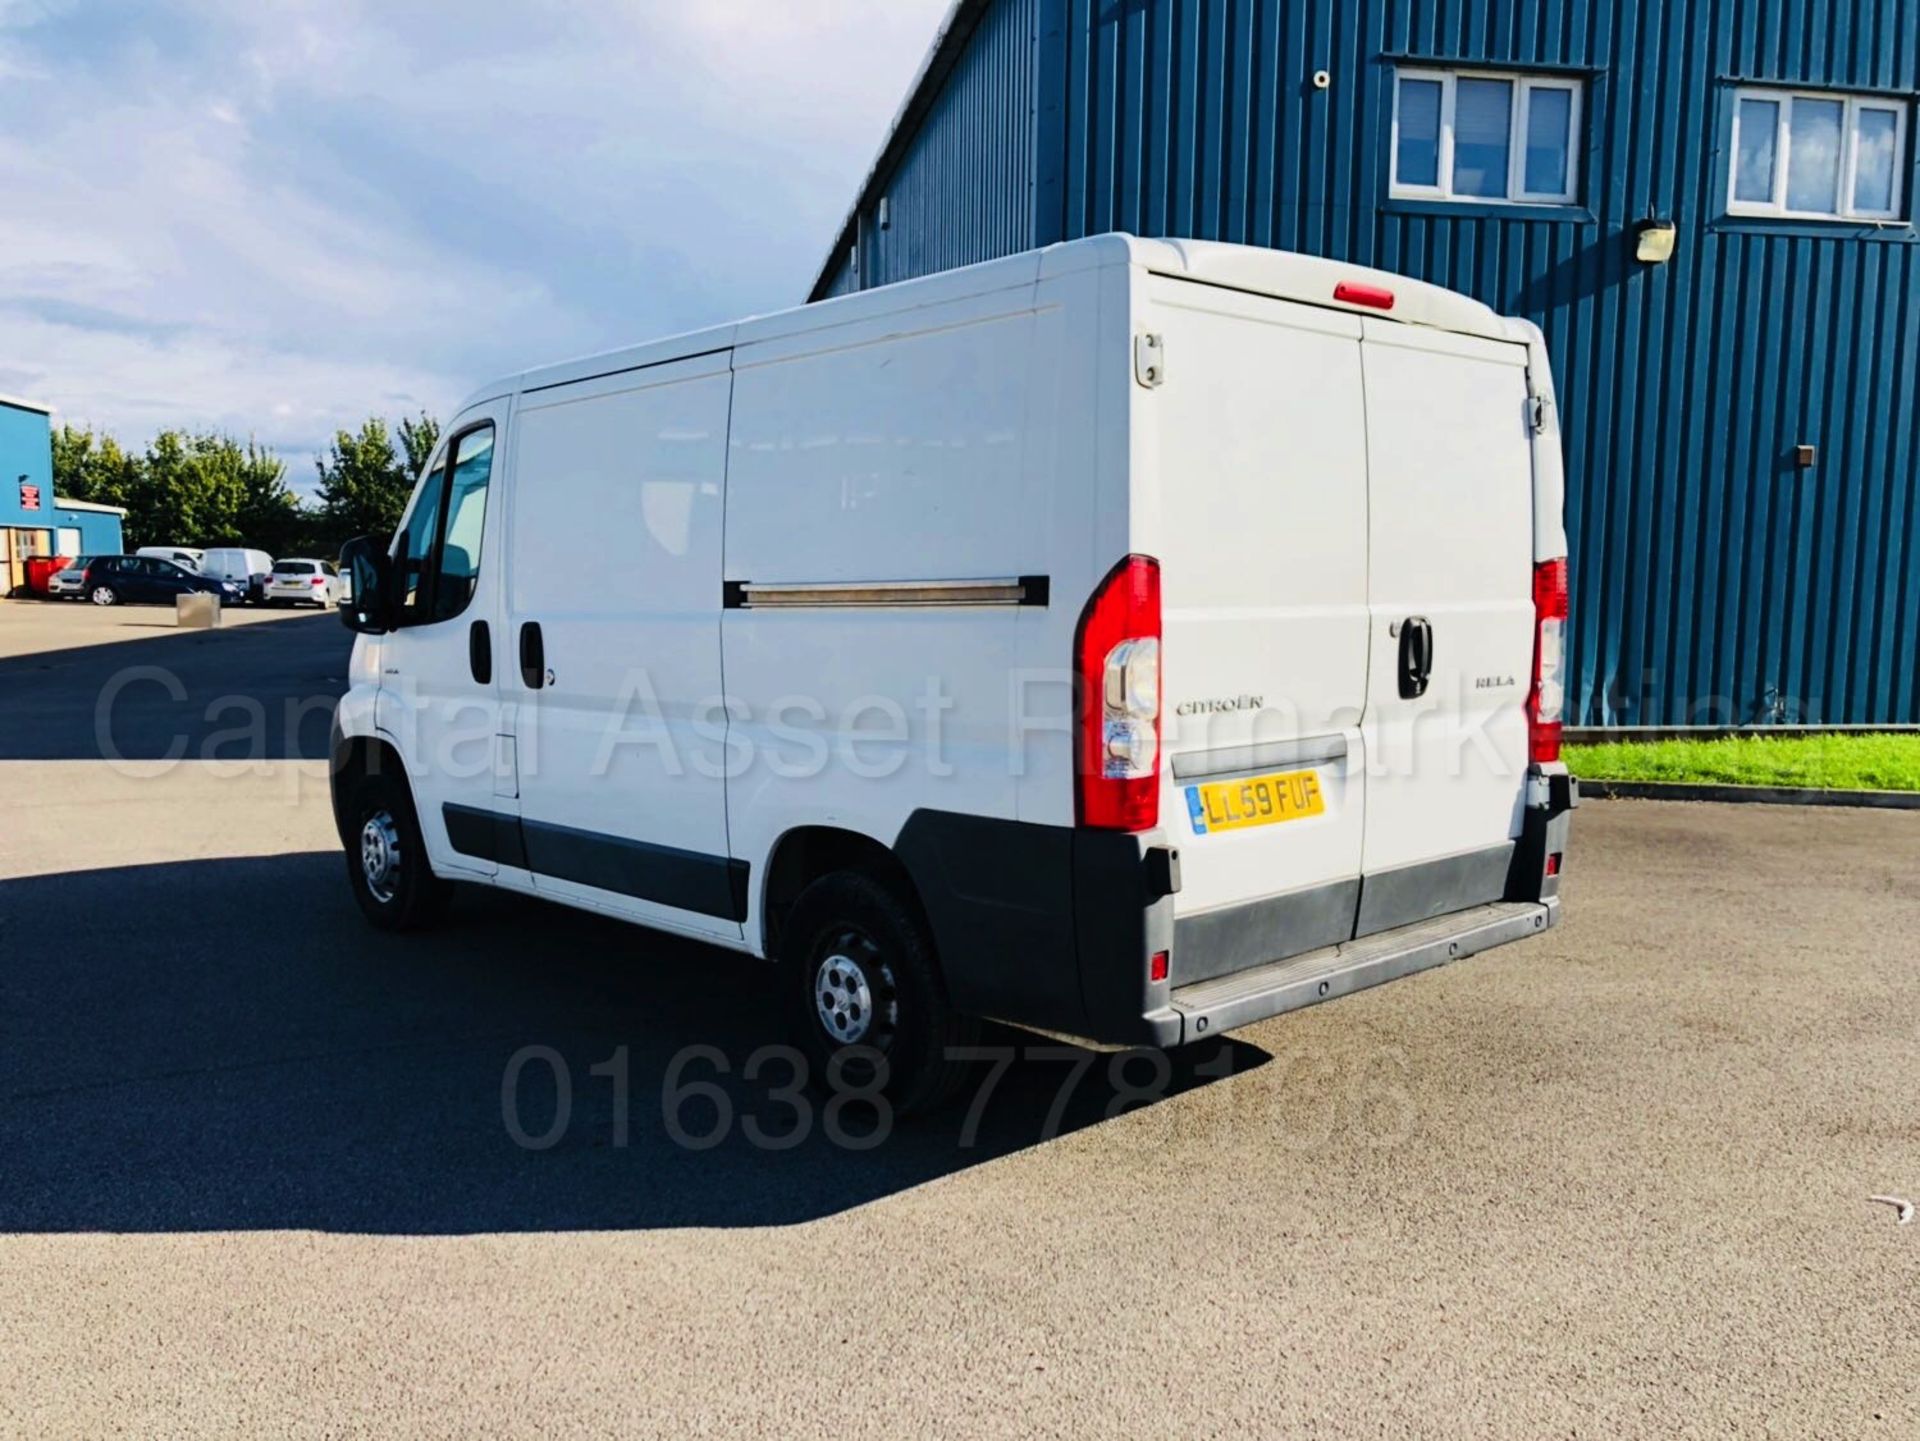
[(1211, 1007), (1056, 927)]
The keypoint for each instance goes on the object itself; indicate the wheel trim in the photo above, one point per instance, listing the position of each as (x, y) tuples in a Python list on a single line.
[(381, 856), (103, 595), (855, 996)]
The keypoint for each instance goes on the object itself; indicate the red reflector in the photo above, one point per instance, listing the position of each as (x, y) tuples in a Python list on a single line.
[(1553, 864), (1375, 296), (1157, 970)]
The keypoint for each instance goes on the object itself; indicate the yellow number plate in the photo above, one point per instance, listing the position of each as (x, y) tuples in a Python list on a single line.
[(1260, 801)]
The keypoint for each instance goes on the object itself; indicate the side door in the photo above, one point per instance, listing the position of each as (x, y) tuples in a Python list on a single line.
[(614, 610), (439, 700), (1451, 595)]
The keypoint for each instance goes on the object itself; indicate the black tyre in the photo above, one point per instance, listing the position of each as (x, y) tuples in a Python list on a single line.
[(387, 861), (868, 993)]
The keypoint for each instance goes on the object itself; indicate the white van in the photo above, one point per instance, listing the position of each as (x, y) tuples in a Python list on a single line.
[(247, 569), (184, 556), (1130, 639)]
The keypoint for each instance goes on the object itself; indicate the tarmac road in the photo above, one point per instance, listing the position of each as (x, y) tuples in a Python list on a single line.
[(257, 1177)]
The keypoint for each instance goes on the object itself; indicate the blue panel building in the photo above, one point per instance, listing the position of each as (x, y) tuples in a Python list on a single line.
[(1707, 205), (33, 521)]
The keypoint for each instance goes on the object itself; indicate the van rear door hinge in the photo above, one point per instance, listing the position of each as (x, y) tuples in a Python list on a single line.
[(1149, 360), (1538, 407)]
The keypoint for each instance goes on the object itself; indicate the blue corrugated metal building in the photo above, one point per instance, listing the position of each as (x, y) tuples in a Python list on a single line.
[(1740, 415), (33, 521)]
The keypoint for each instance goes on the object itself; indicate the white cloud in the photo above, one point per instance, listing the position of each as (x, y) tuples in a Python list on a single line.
[(280, 218)]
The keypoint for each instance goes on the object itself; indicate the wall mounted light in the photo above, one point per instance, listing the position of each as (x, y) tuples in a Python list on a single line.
[(1653, 242)]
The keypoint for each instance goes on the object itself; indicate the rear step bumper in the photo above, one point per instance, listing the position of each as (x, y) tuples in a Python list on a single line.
[(1208, 1008)]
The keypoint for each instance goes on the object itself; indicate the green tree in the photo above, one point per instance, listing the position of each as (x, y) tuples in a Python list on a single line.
[(364, 481), (191, 490), (418, 438), (92, 467)]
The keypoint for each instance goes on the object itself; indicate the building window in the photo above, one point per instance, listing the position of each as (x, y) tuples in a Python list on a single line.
[(1480, 136), (1817, 156)]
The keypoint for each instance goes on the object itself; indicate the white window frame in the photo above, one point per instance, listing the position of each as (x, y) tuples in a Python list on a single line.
[(1524, 86), (1851, 106)]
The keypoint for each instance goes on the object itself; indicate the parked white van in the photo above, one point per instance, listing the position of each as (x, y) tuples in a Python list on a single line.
[(184, 556), (1131, 639), (247, 569)]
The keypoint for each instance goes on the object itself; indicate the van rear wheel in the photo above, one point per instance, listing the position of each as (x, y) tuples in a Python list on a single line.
[(870, 1005), (387, 860)]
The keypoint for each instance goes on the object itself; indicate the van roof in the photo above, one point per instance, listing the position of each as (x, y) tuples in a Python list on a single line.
[(1314, 280), (1283, 274)]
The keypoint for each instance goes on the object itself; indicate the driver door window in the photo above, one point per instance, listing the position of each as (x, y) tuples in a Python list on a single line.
[(413, 548), (437, 553)]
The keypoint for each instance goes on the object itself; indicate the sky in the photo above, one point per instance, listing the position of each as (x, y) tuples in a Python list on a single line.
[(277, 217)]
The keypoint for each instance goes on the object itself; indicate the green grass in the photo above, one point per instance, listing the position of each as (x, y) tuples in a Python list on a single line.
[(1828, 762)]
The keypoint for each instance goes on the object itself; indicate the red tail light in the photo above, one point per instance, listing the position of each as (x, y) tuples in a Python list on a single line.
[(318, 580), (1116, 655), (1547, 700)]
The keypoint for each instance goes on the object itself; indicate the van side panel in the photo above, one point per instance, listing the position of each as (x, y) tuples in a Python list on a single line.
[(615, 556), (890, 450)]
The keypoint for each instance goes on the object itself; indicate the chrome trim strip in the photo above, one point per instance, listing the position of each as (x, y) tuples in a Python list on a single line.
[(1234, 760), (1012, 590)]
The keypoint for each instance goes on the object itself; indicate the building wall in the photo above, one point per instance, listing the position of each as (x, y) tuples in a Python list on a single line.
[(964, 189), (1714, 581), (100, 532), (26, 457)]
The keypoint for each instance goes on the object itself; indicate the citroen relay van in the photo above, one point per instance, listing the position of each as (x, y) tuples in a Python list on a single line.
[(1132, 639)]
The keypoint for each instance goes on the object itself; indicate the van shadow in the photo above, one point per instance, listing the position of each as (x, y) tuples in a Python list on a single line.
[(225, 1045), (261, 691)]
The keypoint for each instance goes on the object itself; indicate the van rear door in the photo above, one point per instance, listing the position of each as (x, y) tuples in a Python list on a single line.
[(1258, 514), (1451, 573)]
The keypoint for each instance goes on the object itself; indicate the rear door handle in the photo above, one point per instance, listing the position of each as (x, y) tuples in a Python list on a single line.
[(533, 656), (480, 652), (1416, 656)]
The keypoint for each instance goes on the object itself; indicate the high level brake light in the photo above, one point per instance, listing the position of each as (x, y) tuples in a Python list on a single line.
[(1375, 297), (1116, 654), (1547, 699)]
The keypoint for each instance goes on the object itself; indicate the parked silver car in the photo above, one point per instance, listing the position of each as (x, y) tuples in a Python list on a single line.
[(71, 582)]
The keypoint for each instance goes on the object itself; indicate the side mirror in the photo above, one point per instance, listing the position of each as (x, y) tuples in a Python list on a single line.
[(369, 602)]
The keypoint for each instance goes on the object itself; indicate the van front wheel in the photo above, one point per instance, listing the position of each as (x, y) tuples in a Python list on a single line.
[(387, 861), (871, 1008)]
